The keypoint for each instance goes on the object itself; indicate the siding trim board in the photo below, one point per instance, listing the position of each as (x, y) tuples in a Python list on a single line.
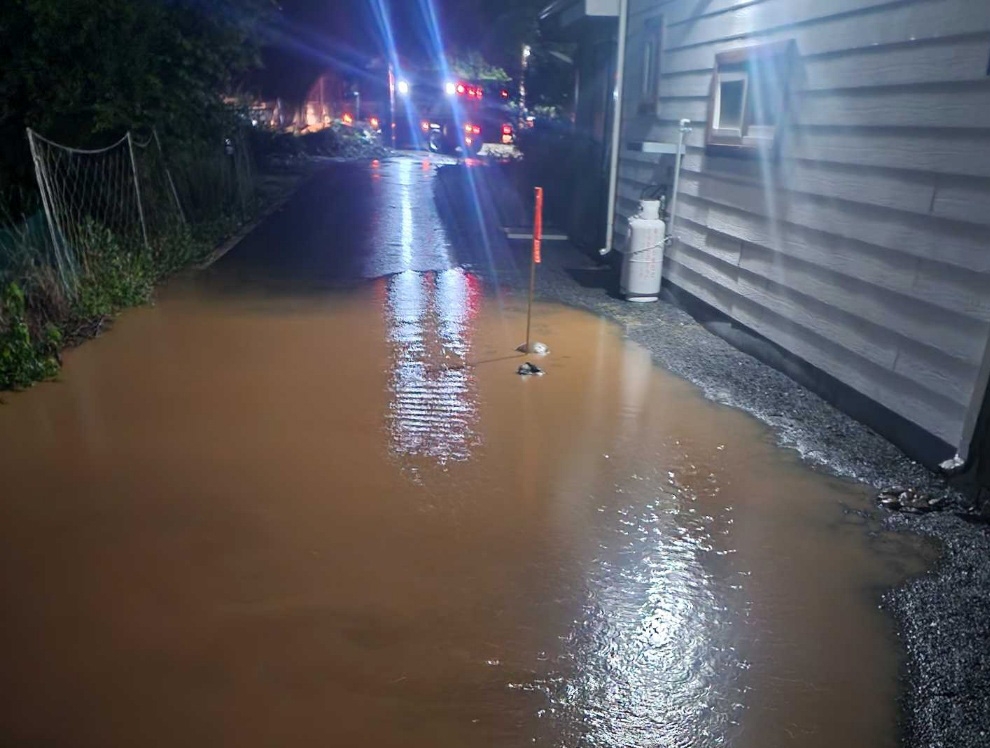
[(956, 243), (916, 151), (857, 260), (915, 441), (871, 186), (908, 23), (940, 377), (895, 309), (772, 16), (958, 60)]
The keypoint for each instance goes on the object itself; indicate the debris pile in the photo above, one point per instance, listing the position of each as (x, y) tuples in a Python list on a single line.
[(908, 500), (528, 369)]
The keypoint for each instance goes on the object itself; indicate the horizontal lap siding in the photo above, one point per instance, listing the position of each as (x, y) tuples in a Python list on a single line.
[(863, 249)]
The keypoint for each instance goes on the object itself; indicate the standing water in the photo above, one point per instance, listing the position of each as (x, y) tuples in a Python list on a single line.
[(344, 520)]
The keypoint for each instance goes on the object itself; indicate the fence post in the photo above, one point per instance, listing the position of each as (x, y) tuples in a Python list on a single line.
[(137, 189), (46, 198)]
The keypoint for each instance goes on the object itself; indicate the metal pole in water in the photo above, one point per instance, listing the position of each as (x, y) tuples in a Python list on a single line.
[(535, 260)]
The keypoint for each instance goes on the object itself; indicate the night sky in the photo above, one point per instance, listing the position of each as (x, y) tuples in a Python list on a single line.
[(308, 36)]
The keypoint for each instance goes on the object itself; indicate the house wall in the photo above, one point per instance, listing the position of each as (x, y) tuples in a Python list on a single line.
[(863, 249), (595, 71)]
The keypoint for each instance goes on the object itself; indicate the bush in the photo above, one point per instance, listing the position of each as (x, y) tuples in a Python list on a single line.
[(114, 276), (24, 359), (338, 140), (267, 144), (181, 246), (43, 304)]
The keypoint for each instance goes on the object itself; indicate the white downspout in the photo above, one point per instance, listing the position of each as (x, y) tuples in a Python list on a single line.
[(684, 130), (613, 176)]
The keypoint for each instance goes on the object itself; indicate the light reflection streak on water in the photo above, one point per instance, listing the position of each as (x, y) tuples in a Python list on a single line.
[(648, 663), (406, 230), (407, 233), (433, 410), (649, 660)]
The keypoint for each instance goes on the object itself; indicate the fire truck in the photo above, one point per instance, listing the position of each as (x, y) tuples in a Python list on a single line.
[(426, 111), (466, 117)]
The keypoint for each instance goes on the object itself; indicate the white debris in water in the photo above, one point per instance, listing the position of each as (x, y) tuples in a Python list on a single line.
[(537, 349)]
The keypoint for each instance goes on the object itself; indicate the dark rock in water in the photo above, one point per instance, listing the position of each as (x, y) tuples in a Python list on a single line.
[(528, 369), (908, 500), (890, 502)]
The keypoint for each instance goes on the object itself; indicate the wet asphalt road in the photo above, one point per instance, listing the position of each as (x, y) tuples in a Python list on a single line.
[(354, 222)]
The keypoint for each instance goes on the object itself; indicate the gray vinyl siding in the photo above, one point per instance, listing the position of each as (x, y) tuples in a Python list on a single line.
[(864, 249)]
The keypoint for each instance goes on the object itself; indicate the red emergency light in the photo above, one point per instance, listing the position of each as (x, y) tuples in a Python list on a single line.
[(466, 89)]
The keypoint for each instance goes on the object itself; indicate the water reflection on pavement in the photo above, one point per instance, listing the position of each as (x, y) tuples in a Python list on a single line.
[(434, 410)]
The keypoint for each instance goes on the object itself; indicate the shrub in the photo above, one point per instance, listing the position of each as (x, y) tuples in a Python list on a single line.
[(333, 141), (24, 360), (181, 247), (114, 276)]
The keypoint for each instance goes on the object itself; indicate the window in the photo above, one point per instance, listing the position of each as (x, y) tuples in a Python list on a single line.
[(649, 78), (729, 101), (749, 96)]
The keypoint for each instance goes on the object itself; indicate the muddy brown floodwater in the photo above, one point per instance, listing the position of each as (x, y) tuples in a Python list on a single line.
[(342, 519)]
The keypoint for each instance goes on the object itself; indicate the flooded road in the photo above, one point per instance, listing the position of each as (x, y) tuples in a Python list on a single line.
[(340, 518)]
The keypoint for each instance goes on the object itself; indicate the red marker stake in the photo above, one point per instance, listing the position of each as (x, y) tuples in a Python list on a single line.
[(537, 238)]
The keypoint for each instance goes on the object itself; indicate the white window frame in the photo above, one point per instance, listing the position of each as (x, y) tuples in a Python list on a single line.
[(734, 76), (737, 65)]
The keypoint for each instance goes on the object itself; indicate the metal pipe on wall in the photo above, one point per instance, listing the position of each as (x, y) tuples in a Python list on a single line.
[(684, 130), (613, 177)]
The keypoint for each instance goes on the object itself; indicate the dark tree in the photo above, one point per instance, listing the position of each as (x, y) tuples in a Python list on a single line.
[(84, 71)]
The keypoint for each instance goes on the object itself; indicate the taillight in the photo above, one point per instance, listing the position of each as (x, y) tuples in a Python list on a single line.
[(506, 129), (374, 123), (460, 88), (425, 126), (472, 129), (347, 119)]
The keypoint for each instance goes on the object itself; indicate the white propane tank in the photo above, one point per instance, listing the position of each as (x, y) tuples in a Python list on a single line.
[(642, 261)]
